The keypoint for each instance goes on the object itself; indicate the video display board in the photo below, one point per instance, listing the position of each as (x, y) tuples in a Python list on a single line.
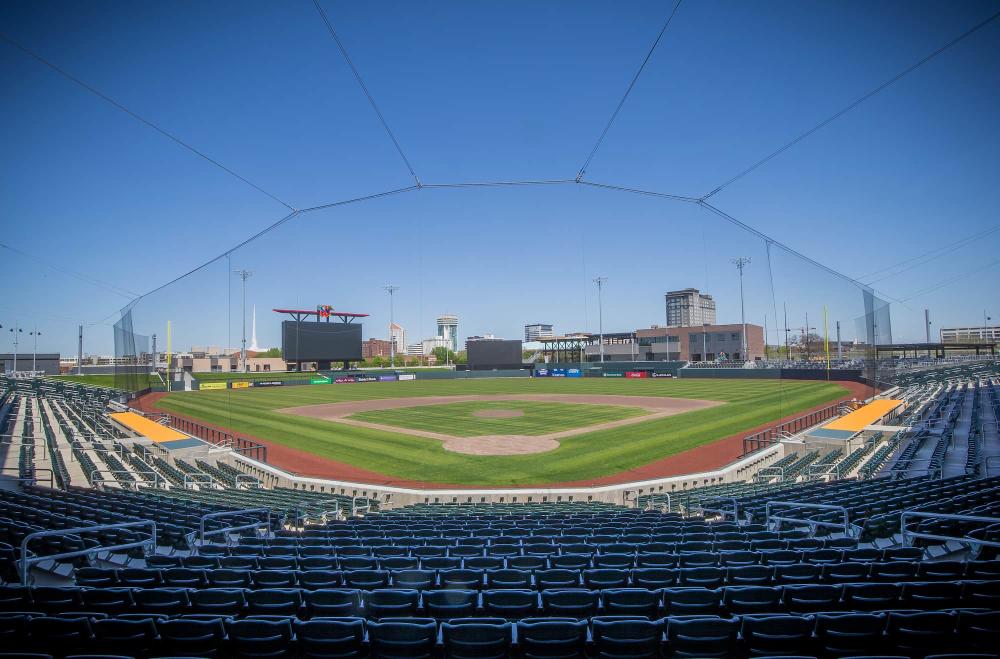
[(320, 341)]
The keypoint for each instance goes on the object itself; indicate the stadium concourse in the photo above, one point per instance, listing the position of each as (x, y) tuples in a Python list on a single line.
[(703, 458), (888, 549)]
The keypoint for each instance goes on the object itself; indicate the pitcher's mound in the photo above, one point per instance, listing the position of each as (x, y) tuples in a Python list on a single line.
[(497, 414)]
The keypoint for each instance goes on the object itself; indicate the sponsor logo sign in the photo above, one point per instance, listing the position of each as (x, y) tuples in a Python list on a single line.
[(636, 374), (612, 375), (344, 379), (387, 378), (559, 372), (212, 385), (574, 373), (407, 376), (240, 384), (366, 378), (319, 381), (541, 372), (663, 375), (268, 383)]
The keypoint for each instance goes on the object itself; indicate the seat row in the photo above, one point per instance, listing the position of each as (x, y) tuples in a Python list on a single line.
[(510, 603), (534, 562), (912, 634), (476, 546), (646, 577)]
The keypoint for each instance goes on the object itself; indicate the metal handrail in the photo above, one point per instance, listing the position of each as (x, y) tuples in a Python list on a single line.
[(669, 507), (253, 480), (722, 511), (812, 523), (301, 510), (780, 474), (355, 507), (229, 529), (907, 535), (32, 480), (192, 479), (26, 562), (156, 477)]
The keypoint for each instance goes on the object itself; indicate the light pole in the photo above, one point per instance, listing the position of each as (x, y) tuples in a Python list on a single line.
[(390, 289), (16, 330), (34, 348), (244, 275), (600, 314), (704, 342), (788, 352), (740, 263), (986, 324)]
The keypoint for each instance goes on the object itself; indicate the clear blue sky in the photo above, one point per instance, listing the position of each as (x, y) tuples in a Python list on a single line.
[(478, 91)]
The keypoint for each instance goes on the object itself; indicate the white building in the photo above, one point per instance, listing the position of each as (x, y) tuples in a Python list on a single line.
[(415, 350), (982, 334), (689, 308), (428, 345), (447, 326), (398, 336), (537, 332)]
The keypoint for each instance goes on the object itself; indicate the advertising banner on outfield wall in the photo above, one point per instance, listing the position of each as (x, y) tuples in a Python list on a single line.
[(606, 374), (319, 381), (541, 372), (636, 374), (657, 374), (268, 383), (574, 373), (366, 378), (407, 376), (558, 372), (387, 378), (211, 385), (344, 379), (240, 384)]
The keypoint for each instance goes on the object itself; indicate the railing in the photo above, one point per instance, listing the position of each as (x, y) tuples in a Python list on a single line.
[(32, 480), (304, 512), (355, 507), (772, 435), (771, 472), (27, 562), (157, 478), (845, 527), (721, 511), (217, 436), (194, 479), (908, 535), (229, 529), (661, 494), (252, 480)]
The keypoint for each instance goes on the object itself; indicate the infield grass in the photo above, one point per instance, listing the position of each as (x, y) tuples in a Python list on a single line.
[(461, 420), (749, 403)]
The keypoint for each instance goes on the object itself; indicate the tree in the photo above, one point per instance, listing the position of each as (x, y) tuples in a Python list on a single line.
[(270, 352), (444, 356)]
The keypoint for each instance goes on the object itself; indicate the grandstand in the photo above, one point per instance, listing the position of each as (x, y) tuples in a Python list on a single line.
[(885, 547)]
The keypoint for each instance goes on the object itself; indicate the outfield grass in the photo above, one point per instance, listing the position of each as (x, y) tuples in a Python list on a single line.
[(588, 455), (460, 420)]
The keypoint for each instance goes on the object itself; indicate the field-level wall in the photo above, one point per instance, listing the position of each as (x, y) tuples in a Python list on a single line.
[(625, 493)]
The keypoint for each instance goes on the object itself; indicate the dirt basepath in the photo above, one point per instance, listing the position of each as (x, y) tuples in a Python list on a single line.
[(702, 458), (655, 406)]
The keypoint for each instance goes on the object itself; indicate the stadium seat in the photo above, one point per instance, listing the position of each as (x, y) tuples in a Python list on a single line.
[(739, 600), (777, 634), (260, 638), (557, 578), (274, 601), (691, 601), (450, 603), (702, 637), (403, 637), (811, 598), (316, 579), (570, 602), (123, 636), (510, 604), (169, 601), (627, 639), (631, 601), (541, 638), (852, 634), (391, 603), (332, 602), (413, 579), (219, 601), (508, 578), (919, 634), (324, 638), (476, 639)]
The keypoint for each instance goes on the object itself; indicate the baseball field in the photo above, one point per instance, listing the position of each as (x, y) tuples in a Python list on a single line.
[(496, 432)]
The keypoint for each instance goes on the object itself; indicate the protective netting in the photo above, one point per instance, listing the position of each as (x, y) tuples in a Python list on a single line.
[(133, 361)]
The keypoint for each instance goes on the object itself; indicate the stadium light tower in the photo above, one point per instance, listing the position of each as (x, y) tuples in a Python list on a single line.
[(15, 330), (244, 275), (740, 263), (34, 350), (390, 289), (600, 313)]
